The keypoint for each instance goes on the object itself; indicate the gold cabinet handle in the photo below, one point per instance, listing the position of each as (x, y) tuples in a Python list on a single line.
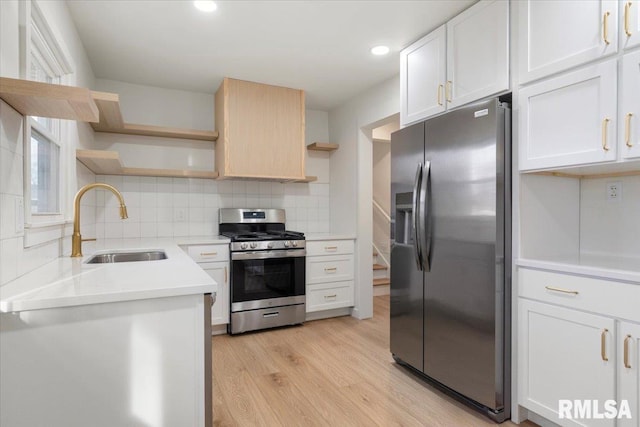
[(330, 248), (564, 291), (627, 130), (330, 270), (330, 296), (626, 351), (605, 28), (225, 275), (605, 126), (603, 345), (208, 253), (449, 84), (439, 94), (627, 8)]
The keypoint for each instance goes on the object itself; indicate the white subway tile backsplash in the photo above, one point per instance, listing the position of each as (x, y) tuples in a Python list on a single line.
[(9, 255), (173, 207), (10, 172)]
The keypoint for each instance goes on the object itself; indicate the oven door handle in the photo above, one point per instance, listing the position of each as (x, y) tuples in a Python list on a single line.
[(291, 253)]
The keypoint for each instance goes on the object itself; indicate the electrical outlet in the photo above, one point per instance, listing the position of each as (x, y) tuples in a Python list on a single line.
[(614, 191), (180, 215), (19, 212)]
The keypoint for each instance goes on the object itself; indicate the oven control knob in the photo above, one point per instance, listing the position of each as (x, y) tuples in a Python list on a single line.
[(287, 244), (243, 245), (294, 243), (254, 245)]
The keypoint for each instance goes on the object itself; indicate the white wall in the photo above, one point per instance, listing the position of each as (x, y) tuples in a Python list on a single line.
[(351, 125), (20, 251)]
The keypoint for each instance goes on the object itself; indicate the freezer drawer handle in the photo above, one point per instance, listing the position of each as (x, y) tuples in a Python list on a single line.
[(626, 351), (564, 291), (274, 314)]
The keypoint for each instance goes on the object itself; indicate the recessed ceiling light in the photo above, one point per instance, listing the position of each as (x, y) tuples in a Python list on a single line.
[(380, 50), (205, 5)]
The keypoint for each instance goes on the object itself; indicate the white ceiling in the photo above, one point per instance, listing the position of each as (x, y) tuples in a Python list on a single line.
[(321, 47)]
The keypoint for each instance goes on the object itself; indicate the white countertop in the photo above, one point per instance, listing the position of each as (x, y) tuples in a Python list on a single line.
[(70, 282), (329, 236)]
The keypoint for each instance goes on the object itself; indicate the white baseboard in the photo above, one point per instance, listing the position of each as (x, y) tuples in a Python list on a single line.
[(316, 315)]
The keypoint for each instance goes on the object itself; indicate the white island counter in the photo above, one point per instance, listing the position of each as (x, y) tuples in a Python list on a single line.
[(108, 344)]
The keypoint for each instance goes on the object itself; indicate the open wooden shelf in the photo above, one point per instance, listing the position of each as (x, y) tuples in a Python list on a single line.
[(322, 146), (111, 121), (308, 179), (31, 98), (108, 163)]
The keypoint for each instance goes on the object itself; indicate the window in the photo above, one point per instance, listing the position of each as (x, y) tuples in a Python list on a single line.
[(44, 60)]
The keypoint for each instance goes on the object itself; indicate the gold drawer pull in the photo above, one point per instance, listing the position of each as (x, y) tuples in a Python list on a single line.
[(330, 269), (439, 94), (449, 84), (605, 125), (605, 29), (330, 296), (626, 352), (330, 248), (564, 291), (208, 253), (627, 6), (225, 274), (627, 130), (603, 345)]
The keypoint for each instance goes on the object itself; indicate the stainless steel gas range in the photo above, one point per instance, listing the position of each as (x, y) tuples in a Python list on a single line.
[(267, 269)]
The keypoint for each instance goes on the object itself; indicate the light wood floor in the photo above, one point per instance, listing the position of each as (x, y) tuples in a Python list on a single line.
[(334, 372)]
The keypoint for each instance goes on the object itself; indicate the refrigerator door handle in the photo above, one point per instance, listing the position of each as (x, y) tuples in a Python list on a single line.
[(416, 217), (425, 236)]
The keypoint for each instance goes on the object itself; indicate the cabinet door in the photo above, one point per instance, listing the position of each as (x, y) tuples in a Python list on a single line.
[(560, 34), (219, 271), (422, 76), (561, 355), (630, 113), (630, 24), (629, 371), (570, 119), (478, 52)]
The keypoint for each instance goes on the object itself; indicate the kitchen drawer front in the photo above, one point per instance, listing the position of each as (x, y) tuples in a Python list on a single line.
[(613, 299), (329, 269), (208, 253), (329, 247), (329, 296)]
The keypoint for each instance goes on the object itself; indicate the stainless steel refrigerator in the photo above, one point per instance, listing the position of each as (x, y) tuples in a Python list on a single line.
[(450, 253)]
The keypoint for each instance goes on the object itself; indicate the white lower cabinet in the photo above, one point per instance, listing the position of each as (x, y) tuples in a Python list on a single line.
[(219, 271), (214, 259), (629, 372), (578, 349), (565, 354), (330, 273)]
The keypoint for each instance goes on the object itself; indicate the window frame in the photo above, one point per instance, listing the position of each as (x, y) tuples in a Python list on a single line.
[(40, 41)]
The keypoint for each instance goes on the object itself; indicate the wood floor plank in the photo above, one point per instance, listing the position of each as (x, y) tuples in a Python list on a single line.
[(331, 372)]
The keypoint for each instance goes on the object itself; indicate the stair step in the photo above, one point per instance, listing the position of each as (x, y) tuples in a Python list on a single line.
[(381, 282), (379, 267)]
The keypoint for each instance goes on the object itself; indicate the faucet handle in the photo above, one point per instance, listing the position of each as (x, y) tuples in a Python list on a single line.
[(89, 240)]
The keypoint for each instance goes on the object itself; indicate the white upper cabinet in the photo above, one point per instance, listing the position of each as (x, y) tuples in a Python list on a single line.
[(570, 119), (465, 60), (630, 24), (630, 113), (422, 75), (560, 34), (478, 53)]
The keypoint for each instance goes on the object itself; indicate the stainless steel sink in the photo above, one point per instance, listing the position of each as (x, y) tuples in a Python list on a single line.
[(124, 256)]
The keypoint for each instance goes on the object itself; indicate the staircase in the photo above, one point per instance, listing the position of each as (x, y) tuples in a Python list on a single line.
[(380, 277)]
